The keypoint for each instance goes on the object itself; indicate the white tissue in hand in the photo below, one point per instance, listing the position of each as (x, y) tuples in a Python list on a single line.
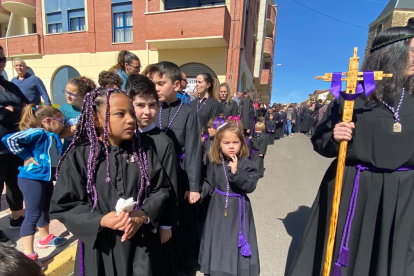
[(126, 205)]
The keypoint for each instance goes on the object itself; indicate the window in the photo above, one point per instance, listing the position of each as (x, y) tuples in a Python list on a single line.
[(65, 16), (122, 22), (54, 23), (76, 20), (34, 29), (180, 4)]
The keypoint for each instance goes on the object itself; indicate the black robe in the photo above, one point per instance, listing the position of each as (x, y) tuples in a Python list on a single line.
[(104, 253), (305, 122), (270, 131), (248, 116), (210, 110), (231, 110), (261, 112), (219, 252), (258, 145), (382, 240), (185, 132)]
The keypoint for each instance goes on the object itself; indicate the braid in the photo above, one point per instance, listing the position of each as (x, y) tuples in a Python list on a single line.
[(86, 131)]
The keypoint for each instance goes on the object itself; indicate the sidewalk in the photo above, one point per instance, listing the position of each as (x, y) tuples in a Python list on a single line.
[(48, 255)]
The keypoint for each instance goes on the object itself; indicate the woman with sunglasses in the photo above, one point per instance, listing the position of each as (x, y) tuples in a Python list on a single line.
[(75, 92), (12, 101), (128, 63)]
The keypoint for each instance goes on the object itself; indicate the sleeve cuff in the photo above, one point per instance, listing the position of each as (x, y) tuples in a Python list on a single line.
[(165, 227)]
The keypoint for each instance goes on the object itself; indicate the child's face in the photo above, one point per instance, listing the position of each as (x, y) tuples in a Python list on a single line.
[(167, 91), (145, 110), (271, 117), (73, 96), (121, 125), (258, 131), (53, 124), (211, 131), (230, 144)]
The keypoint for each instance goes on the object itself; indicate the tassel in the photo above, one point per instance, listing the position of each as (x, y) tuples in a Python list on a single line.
[(343, 257), (245, 250), (108, 180), (337, 270), (242, 240)]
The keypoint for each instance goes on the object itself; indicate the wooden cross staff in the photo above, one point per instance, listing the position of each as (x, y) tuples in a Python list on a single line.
[(353, 76)]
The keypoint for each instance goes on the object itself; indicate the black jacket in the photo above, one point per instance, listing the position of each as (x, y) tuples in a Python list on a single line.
[(10, 95)]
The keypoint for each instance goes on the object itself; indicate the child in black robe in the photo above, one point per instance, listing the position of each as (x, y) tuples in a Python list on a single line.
[(258, 147), (270, 130), (105, 163), (229, 243), (182, 125), (145, 101)]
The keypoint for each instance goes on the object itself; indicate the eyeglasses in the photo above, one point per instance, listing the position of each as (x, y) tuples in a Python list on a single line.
[(67, 93), (135, 67), (60, 120), (3, 59)]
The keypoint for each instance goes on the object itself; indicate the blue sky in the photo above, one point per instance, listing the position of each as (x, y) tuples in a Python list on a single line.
[(309, 44)]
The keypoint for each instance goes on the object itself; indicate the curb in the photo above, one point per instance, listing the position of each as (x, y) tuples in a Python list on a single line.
[(62, 264)]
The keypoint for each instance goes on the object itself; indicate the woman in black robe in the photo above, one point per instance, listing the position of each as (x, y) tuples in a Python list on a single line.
[(305, 119), (380, 158), (248, 115), (206, 105), (228, 107)]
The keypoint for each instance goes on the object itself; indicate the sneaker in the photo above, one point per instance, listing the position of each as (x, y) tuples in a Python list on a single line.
[(16, 223), (51, 241), (6, 241), (33, 256)]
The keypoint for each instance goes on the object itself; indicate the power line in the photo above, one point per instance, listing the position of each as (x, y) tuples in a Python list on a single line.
[(329, 16)]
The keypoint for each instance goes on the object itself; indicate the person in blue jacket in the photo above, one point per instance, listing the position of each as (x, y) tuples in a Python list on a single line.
[(38, 144)]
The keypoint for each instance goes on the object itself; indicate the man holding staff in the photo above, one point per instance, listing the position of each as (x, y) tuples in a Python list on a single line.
[(375, 226)]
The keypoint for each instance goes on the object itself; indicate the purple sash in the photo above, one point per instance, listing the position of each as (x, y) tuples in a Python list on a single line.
[(253, 153), (243, 244), (180, 158), (343, 256)]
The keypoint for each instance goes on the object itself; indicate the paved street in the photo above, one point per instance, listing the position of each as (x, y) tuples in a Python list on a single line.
[(282, 201)]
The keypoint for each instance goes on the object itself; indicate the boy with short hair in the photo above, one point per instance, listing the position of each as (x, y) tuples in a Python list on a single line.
[(182, 125), (145, 101)]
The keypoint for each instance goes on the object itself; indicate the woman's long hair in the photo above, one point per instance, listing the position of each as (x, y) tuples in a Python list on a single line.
[(393, 58)]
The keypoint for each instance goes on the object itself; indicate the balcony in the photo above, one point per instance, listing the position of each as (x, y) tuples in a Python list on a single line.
[(271, 20), (202, 27), (4, 16), (24, 45), (25, 8), (268, 48), (264, 77)]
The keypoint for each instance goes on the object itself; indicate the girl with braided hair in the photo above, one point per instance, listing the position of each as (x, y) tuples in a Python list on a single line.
[(104, 163)]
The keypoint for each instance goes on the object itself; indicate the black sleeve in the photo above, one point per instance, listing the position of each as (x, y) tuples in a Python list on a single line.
[(215, 110), (193, 152), (170, 217), (234, 109), (323, 141), (208, 184), (246, 177), (159, 189), (263, 145), (71, 204), (245, 114)]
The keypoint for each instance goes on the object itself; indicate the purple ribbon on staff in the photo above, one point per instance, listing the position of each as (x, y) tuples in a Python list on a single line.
[(368, 86)]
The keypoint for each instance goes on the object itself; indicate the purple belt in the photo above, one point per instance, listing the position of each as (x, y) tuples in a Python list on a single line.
[(343, 256), (243, 244), (180, 158), (253, 153)]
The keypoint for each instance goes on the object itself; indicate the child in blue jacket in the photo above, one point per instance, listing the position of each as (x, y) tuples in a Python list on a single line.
[(39, 146)]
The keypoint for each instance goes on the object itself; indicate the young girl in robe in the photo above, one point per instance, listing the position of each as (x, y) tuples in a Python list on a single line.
[(229, 244), (38, 144), (105, 163)]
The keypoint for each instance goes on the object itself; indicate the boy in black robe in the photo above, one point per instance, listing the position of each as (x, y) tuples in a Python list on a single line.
[(270, 130), (248, 116), (182, 125), (145, 100)]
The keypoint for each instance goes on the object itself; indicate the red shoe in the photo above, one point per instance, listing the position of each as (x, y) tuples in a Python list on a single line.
[(33, 256)]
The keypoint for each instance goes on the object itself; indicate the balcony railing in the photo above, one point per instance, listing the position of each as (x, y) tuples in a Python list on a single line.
[(189, 28), (268, 47), (22, 45)]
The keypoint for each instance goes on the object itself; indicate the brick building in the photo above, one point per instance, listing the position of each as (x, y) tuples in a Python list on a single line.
[(61, 39), (396, 13)]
